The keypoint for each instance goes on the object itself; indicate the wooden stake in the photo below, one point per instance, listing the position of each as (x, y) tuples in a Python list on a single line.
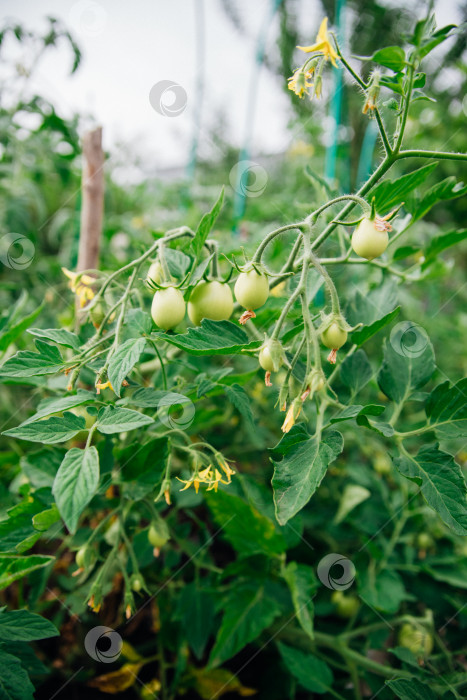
[(92, 205)]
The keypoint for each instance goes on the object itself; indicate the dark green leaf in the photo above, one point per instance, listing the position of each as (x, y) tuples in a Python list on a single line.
[(247, 612), (356, 371), (440, 243), (389, 194), (408, 361), (31, 364), (60, 336), (212, 338), (298, 474), (312, 673), (240, 399), (24, 626), (14, 681), (243, 526), (196, 613), (383, 591), (14, 567), (361, 336), (441, 482), (205, 226), (392, 57), (14, 331), (442, 191), (57, 405), (446, 409), (76, 483), (411, 689), (302, 584)]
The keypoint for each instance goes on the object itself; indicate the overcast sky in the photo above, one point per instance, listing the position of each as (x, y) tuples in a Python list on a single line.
[(130, 46)]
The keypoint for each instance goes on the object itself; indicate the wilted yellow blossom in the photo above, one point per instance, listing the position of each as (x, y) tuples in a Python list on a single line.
[(322, 44)]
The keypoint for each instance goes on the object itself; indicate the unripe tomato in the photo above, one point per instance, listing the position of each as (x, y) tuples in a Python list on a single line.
[(266, 361), (158, 534), (80, 557), (136, 584), (417, 639), (425, 541), (155, 272), (168, 308), (97, 314), (334, 337), (251, 289), (211, 300), (367, 241), (347, 605), (382, 464)]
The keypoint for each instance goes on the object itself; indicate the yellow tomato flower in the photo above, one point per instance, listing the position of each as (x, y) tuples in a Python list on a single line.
[(224, 466), (80, 285), (300, 82), (322, 44), (202, 477), (106, 385), (292, 415)]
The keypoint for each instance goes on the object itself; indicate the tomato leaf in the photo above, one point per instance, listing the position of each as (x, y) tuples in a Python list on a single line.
[(60, 336), (312, 673), (49, 431), (391, 193), (392, 57), (30, 364), (212, 338), (384, 591), (302, 584), (205, 226), (24, 626), (14, 566), (14, 681), (441, 482), (446, 409), (123, 361), (112, 419), (240, 399), (298, 474), (76, 483)]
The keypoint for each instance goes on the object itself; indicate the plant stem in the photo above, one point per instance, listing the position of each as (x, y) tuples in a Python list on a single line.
[(265, 242)]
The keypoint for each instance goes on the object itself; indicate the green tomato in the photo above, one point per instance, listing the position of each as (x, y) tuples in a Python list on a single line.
[(80, 557), (155, 272), (168, 308), (251, 290), (136, 584), (417, 639), (211, 300), (425, 541), (367, 241), (346, 605), (158, 534), (97, 314), (266, 361), (382, 464), (334, 337)]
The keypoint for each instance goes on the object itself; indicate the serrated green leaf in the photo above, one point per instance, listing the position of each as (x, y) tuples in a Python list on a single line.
[(362, 335), (298, 474), (50, 430), (112, 419), (240, 399), (60, 336), (312, 673), (446, 409), (31, 364), (440, 243), (76, 483), (205, 226), (248, 531), (212, 338), (24, 626), (383, 591), (302, 584), (356, 371), (408, 362), (57, 405), (368, 308), (353, 411), (14, 566), (445, 190), (441, 482), (123, 361), (391, 193), (196, 612), (14, 331), (411, 689), (247, 612), (14, 681)]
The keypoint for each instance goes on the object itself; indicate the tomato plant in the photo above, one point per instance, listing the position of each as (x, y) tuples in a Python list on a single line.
[(222, 494)]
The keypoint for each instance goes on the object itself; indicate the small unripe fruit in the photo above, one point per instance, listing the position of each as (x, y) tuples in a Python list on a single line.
[(368, 241), (417, 639), (155, 272), (79, 557), (251, 289), (334, 337), (158, 534), (168, 308), (266, 361), (212, 300), (346, 605)]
